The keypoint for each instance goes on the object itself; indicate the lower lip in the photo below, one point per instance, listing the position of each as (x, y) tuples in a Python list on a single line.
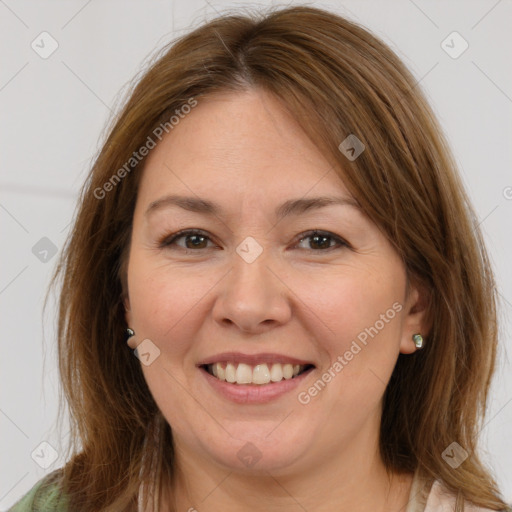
[(254, 393)]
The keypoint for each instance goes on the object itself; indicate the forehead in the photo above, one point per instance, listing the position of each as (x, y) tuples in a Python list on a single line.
[(238, 144)]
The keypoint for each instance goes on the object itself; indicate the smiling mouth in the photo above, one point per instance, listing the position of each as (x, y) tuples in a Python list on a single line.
[(259, 374)]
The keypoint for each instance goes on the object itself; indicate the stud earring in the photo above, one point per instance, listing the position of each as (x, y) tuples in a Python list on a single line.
[(130, 340), (418, 340)]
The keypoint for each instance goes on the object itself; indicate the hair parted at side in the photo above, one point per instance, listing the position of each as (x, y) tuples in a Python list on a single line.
[(336, 79)]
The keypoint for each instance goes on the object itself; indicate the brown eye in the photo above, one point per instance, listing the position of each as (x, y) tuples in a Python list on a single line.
[(319, 240), (193, 239), (196, 241)]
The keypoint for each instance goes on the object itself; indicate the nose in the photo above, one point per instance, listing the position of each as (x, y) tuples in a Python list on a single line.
[(252, 296)]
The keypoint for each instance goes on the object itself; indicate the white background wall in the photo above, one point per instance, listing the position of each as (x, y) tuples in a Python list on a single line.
[(52, 114)]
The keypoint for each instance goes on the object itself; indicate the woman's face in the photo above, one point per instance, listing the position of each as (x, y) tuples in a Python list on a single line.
[(256, 296)]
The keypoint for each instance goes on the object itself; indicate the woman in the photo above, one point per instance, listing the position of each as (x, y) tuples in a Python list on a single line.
[(275, 228)]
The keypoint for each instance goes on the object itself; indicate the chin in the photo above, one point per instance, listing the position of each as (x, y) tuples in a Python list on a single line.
[(258, 450)]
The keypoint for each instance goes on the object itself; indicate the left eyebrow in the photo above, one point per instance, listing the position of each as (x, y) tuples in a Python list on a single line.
[(290, 207)]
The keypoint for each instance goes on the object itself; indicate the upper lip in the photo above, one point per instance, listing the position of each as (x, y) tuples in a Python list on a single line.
[(252, 359)]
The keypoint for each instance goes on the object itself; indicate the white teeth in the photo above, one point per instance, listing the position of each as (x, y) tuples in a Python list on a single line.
[(221, 372), (276, 373), (288, 371), (260, 374), (230, 372), (242, 373)]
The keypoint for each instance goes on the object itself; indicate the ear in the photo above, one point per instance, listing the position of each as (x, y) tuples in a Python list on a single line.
[(415, 317), (132, 342), (127, 311)]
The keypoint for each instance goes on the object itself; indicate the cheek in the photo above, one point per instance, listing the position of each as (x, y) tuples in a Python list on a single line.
[(167, 303), (358, 314)]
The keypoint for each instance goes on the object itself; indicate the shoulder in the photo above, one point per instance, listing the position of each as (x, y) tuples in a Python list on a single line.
[(440, 500), (433, 496), (45, 496)]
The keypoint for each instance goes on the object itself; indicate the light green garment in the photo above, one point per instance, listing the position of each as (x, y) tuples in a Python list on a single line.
[(45, 496)]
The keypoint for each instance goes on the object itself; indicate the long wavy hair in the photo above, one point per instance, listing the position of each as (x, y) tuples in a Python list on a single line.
[(336, 79)]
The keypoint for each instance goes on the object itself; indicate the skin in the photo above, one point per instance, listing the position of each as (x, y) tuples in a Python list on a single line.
[(243, 151)]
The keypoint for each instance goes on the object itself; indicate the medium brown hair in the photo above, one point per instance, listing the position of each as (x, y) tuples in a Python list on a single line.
[(336, 79)]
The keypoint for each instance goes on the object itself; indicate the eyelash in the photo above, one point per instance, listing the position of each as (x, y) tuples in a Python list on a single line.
[(167, 241)]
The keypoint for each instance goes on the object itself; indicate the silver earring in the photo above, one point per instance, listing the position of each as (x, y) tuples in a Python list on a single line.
[(130, 340), (418, 340)]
